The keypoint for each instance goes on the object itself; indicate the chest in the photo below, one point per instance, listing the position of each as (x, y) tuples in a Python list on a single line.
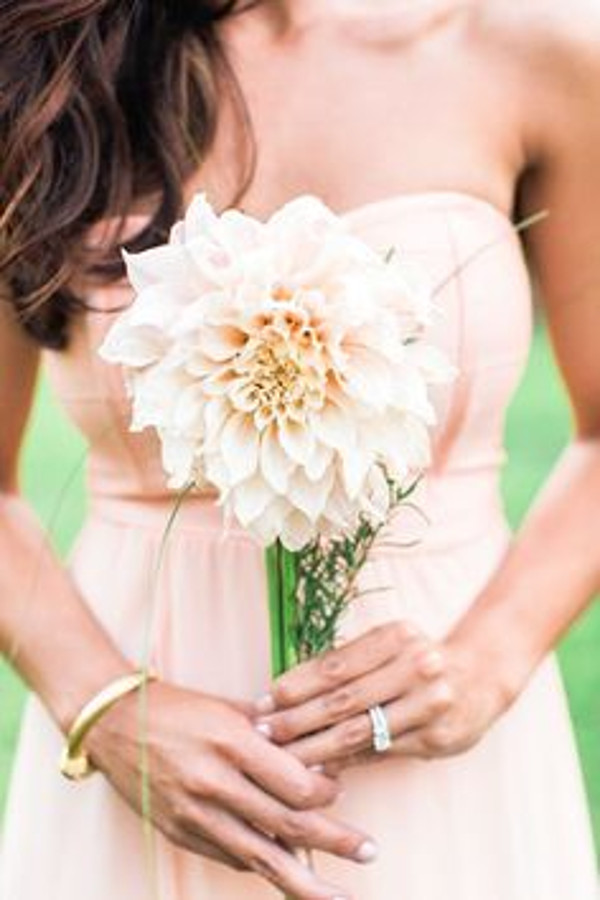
[(354, 117)]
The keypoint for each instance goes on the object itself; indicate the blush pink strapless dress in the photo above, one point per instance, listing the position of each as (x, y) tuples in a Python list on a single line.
[(505, 821)]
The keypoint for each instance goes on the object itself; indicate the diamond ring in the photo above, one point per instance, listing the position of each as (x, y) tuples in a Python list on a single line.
[(382, 738)]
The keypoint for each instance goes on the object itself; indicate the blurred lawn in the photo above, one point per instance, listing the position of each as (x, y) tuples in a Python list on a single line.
[(537, 429)]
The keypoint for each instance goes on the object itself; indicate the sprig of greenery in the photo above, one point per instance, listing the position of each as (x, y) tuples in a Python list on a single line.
[(327, 579)]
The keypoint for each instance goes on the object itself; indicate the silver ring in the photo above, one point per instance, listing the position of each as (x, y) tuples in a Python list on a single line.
[(382, 738)]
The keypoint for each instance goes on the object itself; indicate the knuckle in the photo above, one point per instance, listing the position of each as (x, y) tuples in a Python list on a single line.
[(284, 727), (398, 641), (266, 865), (353, 734), (170, 825), (387, 638), (399, 634), (202, 784), (230, 745), (439, 739), (430, 664), (437, 705), (285, 693), (401, 631), (294, 828), (346, 844), (183, 817), (306, 795), (175, 834), (332, 667), (415, 648), (442, 697), (340, 702)]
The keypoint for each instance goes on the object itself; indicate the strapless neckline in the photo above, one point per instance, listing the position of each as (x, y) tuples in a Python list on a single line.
[(371, 208), (438, 197)]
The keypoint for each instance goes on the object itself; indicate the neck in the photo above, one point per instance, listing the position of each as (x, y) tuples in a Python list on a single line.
[(296, 15), (286, 16)]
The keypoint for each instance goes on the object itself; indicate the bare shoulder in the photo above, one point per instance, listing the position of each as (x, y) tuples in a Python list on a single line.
[(549, 55), (557, 41)]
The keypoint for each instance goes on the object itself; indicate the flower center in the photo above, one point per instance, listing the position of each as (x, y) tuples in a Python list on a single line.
[(280, 384)]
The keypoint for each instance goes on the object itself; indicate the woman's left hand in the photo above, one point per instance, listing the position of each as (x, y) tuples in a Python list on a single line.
[(439, 697)]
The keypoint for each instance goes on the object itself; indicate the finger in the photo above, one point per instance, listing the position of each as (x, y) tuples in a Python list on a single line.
[(413, 747), (284, 776), (411, 669), (309, 830), (355, 735), (337, 667), (189, 840), (263, 856), (423, 743), (416, 743)]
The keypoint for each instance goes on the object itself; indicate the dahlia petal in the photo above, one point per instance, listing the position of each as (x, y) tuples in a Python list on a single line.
[(356, 463), (319, 460), (409, 444), (178, 457), (139, 336), (200, 218), (220, 343), (310, 497), (216, 412), (155, 392), (167, 264), (297, 531), (334, 427), (296, 440), (188, 416), (376, 501), (340, 511), (249, 499), (275, 464), (133, 347), (267, 527), (216, 471), (369, 377), (239, 232), (431, 362), (239, 446), (212, 265)]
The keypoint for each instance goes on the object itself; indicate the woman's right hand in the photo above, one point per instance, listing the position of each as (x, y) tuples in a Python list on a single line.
[(220, 789)]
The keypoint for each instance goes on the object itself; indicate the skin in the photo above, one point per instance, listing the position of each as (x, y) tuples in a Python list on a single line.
[(358, 86)]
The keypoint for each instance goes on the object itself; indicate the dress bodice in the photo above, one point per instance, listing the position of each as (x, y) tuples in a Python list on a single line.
[(473, 255)]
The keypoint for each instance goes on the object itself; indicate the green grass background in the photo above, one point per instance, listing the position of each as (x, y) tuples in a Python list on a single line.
[(537, 429)]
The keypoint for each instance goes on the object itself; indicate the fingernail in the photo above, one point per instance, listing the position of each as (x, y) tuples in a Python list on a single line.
[(265, 729), (265, 705), (319, 769), (367, 852)]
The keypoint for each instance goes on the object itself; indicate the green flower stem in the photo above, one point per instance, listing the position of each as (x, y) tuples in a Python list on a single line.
[(282, 578)]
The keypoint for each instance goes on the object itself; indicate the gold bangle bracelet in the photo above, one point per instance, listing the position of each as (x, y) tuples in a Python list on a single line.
[(74, 763)]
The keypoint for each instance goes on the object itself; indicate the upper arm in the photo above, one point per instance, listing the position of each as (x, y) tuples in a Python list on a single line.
[(564, 180), (19, 362)]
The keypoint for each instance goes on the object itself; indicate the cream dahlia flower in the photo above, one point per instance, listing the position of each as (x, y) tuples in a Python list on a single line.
[(282, 363)]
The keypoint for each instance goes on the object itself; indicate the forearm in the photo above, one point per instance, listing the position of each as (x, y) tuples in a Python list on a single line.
[(548, 576), (46, 630)]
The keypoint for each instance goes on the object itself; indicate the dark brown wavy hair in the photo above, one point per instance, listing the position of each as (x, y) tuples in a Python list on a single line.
[(103, 103)]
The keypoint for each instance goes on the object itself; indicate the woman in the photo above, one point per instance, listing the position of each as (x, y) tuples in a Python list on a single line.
[(427, 125)]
